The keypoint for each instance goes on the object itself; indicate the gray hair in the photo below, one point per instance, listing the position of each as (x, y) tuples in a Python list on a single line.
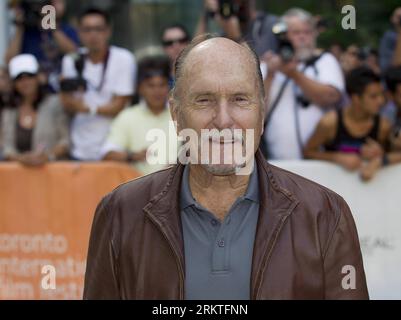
[(299, 13)]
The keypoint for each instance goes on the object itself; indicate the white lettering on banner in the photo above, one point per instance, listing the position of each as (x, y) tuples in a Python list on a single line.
[(21, 261), (377, 213), (33, 243)]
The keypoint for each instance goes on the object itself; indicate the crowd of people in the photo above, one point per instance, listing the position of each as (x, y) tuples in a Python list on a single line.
[(69, 94)]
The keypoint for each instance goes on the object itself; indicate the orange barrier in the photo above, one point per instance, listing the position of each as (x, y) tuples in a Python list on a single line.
[(45, 219)]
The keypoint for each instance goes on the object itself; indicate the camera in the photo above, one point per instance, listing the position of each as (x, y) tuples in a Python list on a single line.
[(284, 47), (32, 11), (227, 9), (70, 85), (365, 52)]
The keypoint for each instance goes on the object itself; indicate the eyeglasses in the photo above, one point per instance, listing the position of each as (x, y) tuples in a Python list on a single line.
[(168, 43), (97, 29)]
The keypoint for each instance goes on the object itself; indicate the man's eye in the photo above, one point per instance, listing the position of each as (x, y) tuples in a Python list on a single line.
[(203, 100), (241, 100)]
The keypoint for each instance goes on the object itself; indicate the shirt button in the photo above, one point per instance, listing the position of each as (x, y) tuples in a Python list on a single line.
[(214, 222), (221, 243)]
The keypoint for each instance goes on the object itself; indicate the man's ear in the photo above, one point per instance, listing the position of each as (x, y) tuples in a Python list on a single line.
[(173, 108), (263, 116), (173, 111)]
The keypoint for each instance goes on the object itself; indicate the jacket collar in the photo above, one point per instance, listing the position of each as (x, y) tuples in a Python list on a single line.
[(276, 204)]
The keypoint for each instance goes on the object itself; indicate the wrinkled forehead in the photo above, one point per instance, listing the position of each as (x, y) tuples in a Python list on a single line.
[(219, 70)]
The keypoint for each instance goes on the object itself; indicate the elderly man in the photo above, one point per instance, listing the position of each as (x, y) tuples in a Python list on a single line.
[(300, 88), (202, 231)]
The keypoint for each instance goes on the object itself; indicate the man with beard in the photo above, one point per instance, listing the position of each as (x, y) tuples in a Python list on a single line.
[(300, 87), (205, 231)]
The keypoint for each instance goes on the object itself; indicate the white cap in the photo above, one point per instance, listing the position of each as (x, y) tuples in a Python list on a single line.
[(23, 63)]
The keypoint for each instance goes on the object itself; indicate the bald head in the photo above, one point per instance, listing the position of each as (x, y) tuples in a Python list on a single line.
[(218, 57)]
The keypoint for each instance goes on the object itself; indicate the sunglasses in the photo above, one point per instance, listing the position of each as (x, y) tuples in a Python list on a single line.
[(97, 29), (168, 43)]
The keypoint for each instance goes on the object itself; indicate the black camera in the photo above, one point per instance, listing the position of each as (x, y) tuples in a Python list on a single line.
[(72, 85), (69, 85), (227, 9), (365, 52), (32, 11), (285, 49)]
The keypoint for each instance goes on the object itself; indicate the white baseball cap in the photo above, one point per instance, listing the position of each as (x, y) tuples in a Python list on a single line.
[(23, 63)]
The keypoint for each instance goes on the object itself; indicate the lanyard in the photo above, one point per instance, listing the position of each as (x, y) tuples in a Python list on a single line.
[(102, 79)]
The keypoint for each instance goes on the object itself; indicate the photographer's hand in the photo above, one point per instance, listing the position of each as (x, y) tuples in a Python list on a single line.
[(230, 26), (323, 95), (112, 108), (15, 45), (397, 51), (289, 68), (72, 104), (272, 61), (211, 6), (65, 44)]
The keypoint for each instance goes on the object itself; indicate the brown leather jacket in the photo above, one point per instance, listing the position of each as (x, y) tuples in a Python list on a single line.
[(304, 238)]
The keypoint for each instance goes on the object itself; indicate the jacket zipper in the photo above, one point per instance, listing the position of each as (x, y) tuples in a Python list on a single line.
[(177, 260)]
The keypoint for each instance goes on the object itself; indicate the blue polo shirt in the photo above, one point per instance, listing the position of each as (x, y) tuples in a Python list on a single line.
[(218, 255)]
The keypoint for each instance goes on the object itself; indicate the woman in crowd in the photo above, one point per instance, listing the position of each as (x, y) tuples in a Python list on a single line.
[(34, 125)]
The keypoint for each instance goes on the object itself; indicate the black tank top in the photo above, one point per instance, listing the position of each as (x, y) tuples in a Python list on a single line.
[(345, 142)]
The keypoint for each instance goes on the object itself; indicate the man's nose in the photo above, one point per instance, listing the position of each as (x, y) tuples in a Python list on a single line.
[(223, 115)]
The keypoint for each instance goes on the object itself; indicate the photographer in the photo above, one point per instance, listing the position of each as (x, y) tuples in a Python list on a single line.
[(390, 44), (97, 84), (239, 20), (301, 83), (48, 46)]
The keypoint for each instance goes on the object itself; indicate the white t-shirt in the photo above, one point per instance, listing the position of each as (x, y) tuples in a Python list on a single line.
[(281, 133), (88, 132)]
